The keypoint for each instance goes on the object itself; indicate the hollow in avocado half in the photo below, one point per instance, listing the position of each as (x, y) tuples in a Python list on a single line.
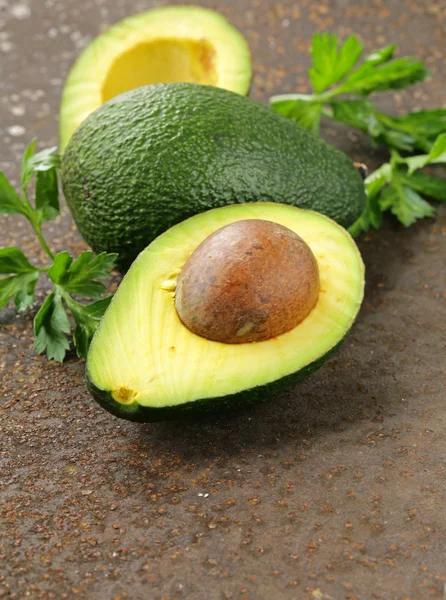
[(171, 43), (224, 309)]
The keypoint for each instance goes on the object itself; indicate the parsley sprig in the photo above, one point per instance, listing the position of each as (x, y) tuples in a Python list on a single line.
[(69, 277), (399, 186), (342, 89)]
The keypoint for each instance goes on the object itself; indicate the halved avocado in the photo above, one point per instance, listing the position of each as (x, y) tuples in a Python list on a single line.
[(175, 43), (144, 364)]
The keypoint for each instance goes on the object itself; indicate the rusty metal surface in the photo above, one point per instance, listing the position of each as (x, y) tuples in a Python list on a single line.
[(336, 490)]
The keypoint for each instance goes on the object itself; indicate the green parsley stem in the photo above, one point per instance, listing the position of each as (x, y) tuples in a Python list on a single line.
[(35, 224), (41, 239), (326, 96)]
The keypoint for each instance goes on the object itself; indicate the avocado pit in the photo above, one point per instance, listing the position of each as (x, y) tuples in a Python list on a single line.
[(249, 281)]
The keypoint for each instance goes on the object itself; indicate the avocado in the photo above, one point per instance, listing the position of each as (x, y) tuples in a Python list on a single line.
[(152, 157), (146, 364), (173, 43)]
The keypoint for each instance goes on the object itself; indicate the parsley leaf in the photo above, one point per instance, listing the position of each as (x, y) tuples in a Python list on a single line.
[(356, 113), (46, 159), (331, 64), (21, 285), (433, 187), (12, 260), (10, 201), (436, 155), (79, 277), (382, 128), (372, 77), (60, 266), (42, 161), (47, 195), (300, 108), (87, 319), (371, 216), (417, 130), (51, 326), (405, 203), (378, 57), (27, 171)]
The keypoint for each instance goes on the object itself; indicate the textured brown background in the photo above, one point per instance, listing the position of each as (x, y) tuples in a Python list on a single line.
[(336, 490)]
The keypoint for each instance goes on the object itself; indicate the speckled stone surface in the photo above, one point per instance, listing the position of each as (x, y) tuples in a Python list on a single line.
[(335, 490)]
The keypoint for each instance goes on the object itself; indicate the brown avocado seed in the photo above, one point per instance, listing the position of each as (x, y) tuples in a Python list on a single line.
[(249, 281)]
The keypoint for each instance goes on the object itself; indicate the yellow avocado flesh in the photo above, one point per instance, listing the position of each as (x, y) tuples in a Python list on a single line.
[(162, 60), (142, 352), (170, 44)]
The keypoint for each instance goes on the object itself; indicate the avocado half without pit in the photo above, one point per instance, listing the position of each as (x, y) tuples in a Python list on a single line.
[(168, 44), (224, 309)]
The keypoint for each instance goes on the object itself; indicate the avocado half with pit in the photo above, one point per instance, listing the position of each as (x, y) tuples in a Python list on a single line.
[(226, 308), (174, 43)]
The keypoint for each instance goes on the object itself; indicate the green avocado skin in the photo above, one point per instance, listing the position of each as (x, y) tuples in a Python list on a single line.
[(159, 154), (205, 406)]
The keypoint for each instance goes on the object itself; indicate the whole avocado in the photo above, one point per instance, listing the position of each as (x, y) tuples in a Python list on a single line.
[(159, 154)]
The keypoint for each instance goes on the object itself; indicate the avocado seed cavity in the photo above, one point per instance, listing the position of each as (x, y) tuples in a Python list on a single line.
[(249, 281)]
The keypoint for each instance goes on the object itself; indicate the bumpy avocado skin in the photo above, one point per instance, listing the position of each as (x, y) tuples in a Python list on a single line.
[(205, 406), (157, 155)]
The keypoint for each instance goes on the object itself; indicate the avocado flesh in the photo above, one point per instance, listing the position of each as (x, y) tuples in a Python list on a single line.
[(175, 43), (145, 365), (152, 157)]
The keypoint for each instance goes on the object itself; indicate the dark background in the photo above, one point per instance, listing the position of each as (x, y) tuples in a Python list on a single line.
[(335, 490)]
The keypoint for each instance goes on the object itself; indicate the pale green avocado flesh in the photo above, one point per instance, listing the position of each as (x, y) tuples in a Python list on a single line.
[(145, 365), (167, 44)]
